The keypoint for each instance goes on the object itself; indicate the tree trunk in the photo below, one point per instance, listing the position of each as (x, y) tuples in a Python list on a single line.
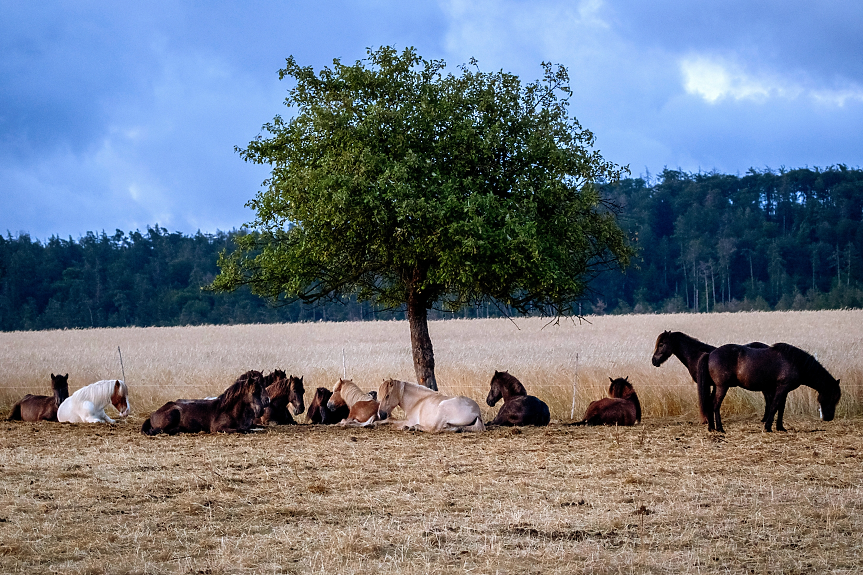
[(421, 344)]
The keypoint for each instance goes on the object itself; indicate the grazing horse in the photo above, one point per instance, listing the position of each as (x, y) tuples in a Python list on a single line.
[(775, 371), (689, 350), (519, 408), (428, 410), (362, 406), (42, 407), (620, 408), (234, 411), (87, 405), (286, 399)]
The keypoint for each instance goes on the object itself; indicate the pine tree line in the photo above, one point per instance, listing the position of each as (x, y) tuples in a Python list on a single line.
[(712, 242)]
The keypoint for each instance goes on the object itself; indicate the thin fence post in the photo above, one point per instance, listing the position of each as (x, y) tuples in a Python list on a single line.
[(122, 369), (574, 384)]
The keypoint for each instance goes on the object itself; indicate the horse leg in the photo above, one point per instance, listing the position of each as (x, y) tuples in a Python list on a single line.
[(779, 413), (777, 407), (719, 393), (768, 399)]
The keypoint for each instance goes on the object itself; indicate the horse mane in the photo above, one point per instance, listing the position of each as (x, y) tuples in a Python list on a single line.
[(100, 392), (241, 386), (273, 377), (804, 361), (510, 381), (280, 386), (351, 392), (621, 388), (681, 335)]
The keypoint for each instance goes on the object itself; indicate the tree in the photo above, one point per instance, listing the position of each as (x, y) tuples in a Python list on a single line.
[(406, 186)]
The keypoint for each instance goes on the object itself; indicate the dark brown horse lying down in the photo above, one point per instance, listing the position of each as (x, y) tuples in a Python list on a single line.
[(42, 407), (518, 408), (234, 411), (319, 412), (286, 398), (621, 408)]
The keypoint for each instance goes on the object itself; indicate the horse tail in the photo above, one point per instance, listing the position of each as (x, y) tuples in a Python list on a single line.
[(15, 414), (705, 396), (147, 428)]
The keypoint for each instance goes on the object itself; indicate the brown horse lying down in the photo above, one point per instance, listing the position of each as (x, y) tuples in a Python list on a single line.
[(319, 412), (363, 407), (42, 407), (519, 408), (622, 408), (286, 398), (234, 411)]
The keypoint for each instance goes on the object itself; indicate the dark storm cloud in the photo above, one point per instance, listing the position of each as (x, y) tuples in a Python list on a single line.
[(120, 115)]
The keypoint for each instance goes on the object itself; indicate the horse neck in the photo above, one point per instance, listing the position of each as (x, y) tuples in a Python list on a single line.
[(99, 393), (352, 393), (414, 393), (511, 388), (688, 349)]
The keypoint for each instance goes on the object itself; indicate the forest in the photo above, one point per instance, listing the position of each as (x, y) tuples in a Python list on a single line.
[(707, 242)]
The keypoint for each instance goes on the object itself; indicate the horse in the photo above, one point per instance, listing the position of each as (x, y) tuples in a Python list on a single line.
[(620, 408), (42, 407), (286, 399), (518, 408), (362, 406), (428, 410), (689, 350), (234, 411), (87, 405), (775, 371), (319, 411)]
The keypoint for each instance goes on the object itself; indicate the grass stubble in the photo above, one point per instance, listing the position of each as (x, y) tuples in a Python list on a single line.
[(665, 497)]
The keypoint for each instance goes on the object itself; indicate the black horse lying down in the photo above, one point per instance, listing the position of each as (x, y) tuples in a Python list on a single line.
[(518, 408), (319, 412), (234, 411)]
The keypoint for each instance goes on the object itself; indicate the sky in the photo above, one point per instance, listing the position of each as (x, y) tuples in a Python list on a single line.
[(123, 115)]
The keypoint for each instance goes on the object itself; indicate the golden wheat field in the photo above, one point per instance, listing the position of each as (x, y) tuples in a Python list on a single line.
[(662, 497)]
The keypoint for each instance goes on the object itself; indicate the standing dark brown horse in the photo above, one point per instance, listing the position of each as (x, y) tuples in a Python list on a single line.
[(286, 398), (42, 407), (518, 408), (620, 408), (689, 350), (234, 411), (319, 412), (775, 371)]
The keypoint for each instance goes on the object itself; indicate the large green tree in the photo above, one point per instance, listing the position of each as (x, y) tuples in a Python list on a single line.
[(408, 186)]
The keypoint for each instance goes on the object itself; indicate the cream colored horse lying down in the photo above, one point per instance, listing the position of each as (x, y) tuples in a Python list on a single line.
[(428, 410), (363, 407)]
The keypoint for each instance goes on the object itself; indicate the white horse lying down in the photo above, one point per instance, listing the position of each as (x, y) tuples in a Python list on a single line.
[(428, 410), (87, 405)]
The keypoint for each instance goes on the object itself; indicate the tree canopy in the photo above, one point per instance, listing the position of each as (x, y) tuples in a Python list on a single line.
[(408, 186)]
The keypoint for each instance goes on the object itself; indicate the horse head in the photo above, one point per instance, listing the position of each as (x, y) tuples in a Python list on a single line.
[(296, 402), (317, 409), (336, 401), (663, 349), (828, 397), (60, 385), (120, 398), (389, 396), (620, 388), (495, 393)]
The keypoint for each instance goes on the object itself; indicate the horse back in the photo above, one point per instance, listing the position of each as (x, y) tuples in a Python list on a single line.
[(610, 411), (755, 368), (187, 416), (523, 410)]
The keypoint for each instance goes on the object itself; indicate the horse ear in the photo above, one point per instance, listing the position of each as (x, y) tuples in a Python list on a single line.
[(52, 375), (66, 376), (611, 380), (626, 379)]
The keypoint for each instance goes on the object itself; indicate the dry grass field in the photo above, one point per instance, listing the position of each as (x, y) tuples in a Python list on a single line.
[(664, 497)]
